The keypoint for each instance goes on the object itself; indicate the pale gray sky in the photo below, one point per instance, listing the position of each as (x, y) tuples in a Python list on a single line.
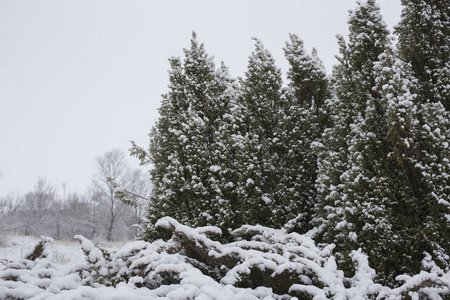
[(79, 77)]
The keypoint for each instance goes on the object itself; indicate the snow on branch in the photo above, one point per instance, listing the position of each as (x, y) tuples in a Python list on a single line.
[(261, 263)]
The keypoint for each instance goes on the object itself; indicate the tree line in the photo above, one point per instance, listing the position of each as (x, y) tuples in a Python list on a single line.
[(359, 158), (97, 214)]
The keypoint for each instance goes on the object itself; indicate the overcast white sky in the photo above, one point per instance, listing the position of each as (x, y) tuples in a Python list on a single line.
[(78, 77)]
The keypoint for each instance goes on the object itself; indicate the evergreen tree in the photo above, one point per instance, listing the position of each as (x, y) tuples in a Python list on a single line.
[(353, 197), (424, 41), (332, 158), (204, 91), (306, 74), (397, 87), (435, 174), (307, 91), (368, 167), (263, 103), (187, 146), (418, 134), (224, 174), (171, 193)]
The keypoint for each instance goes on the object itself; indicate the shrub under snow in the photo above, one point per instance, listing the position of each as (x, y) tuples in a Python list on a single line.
[(261, 263)]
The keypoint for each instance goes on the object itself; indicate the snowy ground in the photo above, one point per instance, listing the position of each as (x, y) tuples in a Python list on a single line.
[(13, 248)]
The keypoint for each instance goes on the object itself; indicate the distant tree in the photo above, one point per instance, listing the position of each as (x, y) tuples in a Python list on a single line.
[(36, 210), (41, 212), (76, 218), (9, 217), (110, 165), (40, 200), (139, 188), (115, 216)]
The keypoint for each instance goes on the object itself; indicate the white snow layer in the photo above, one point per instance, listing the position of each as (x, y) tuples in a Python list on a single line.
[(192, 266)]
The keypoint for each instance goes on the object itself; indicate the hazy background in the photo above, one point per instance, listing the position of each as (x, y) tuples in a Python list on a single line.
[(79, 77)]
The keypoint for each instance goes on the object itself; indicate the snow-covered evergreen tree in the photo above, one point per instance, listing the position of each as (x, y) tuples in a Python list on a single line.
[(307, 91), (332, 158), (424, 41), (263, 105), (397, 88), (168, 142), (418, 133), (354, 187), (224, 173), (208, 102), (435, 174), (367, 167), (306, 74), (187, 147)]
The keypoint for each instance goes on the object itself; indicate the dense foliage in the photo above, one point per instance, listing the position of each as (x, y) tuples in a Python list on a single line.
[(360, 159), (323, 187)]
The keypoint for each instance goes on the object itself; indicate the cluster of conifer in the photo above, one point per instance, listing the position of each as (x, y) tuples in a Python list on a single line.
[(360, 158)]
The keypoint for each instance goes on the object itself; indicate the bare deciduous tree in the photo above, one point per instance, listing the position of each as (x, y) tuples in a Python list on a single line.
[(110, 165), (98, 214), (139, 188), (36, 209), (8, 214), (112, 171)]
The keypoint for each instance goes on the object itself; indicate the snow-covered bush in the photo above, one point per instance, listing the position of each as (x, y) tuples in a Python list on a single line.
[(261, 263), (41, 249)]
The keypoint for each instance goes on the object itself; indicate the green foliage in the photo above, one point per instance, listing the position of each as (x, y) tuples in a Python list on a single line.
[(424, 41), (360, 160), (396, 87), (191, 145), (262, 102), (352, 184), (301, 127), (435, 174), (40, 250), (307, 78)]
